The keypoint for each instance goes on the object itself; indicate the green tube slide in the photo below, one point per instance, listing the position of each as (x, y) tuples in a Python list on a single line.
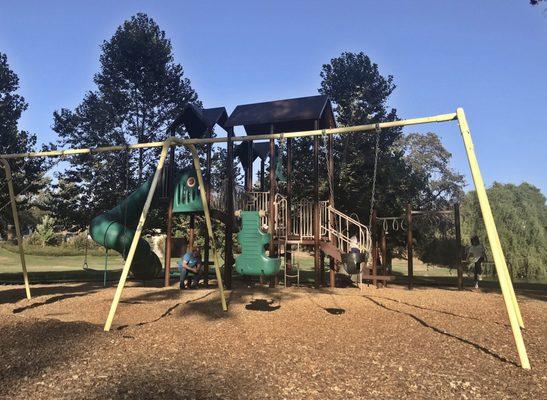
[(115, 229)]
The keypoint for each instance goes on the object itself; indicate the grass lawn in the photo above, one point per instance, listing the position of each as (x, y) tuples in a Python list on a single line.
[(51, 268)]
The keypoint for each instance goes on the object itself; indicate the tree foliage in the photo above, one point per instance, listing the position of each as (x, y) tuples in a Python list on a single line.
[(360, 93), (430, 161), (27, 173), (140, 90), (520, 214)]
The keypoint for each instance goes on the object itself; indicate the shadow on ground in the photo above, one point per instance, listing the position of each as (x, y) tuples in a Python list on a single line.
[(16, 294), (442, 332)]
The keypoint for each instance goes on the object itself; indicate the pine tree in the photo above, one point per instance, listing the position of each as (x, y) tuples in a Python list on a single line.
[(140, 90), (359, 93), (27, 173)]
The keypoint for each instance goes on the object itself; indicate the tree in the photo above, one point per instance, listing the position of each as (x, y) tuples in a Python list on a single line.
[(64, 200), (140, 90), (359, 93), (428, 159), (520, 214), (27, 173)]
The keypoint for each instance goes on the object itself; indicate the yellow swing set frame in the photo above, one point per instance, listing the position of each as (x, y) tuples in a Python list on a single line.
[(509, 297)]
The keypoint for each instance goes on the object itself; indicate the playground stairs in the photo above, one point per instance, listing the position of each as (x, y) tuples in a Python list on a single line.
[(339, 232)]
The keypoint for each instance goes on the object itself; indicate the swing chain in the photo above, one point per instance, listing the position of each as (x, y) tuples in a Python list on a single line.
[(377, 131), (330, 172), (86, 265)]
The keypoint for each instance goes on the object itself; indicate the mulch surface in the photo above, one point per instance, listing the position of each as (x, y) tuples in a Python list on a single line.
[(294, 343)]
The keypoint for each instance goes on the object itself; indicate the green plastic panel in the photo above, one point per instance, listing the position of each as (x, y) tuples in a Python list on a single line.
[(186, 193), (253, 259)]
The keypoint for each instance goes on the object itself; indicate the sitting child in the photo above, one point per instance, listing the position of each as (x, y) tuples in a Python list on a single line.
[(191, 262)]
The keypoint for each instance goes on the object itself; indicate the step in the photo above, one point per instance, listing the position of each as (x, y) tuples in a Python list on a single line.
[(331, 250), (378, 277)]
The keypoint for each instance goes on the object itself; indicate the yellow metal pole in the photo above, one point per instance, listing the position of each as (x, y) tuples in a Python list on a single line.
[(178, 141), (137, 236), (501, 265), (493, 238), (13, 201), (209, 224)]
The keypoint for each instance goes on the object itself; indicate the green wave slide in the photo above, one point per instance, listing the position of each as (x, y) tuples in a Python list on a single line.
[(115, 228)]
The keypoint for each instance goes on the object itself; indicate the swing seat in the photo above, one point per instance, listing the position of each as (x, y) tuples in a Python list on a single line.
[(352, 262)]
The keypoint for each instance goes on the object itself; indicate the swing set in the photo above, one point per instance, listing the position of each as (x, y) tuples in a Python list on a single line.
[(509, 297)]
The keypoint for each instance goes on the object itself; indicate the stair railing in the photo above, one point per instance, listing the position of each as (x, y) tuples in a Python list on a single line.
[(335, 226), (219, 198), (340, 228)]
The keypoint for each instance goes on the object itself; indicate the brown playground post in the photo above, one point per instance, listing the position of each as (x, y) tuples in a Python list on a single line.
[(409, 247), (169, 233), (316, 226), (458, 245), (383, 249)]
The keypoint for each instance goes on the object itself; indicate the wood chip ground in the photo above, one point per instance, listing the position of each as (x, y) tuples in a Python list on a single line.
[(294, 343)]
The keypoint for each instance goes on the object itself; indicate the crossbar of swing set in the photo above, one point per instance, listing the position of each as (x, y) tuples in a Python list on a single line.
[(418, 213), (508, 293), (181, 142)]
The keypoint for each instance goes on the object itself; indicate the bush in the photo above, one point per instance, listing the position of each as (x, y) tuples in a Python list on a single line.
[(45, 231), (32, 240), (79, 242)]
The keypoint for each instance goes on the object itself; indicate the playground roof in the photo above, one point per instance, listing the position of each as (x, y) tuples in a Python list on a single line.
[(217, 115), (244, 151), (199, 122), (289, 115)]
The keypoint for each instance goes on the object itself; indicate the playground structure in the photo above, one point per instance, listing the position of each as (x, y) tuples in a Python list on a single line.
[(325, 228), (380, 226)]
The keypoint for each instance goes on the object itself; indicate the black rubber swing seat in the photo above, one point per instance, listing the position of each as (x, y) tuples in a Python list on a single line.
[(352, 262)]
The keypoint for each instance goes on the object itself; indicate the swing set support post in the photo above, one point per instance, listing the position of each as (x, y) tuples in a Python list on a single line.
[(13, 202), (383, 248), (209, 224), (373, 233), (507, 290), (207, 244), (169, 233), (136, 237)]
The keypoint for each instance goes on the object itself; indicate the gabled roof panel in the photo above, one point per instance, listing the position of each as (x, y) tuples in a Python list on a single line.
[(272, 112)]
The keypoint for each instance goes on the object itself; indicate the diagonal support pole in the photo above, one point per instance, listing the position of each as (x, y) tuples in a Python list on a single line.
[(13, 201), (134, 243), (507, 290), (209, 224)]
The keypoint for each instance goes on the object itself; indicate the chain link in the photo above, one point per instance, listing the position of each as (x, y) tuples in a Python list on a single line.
[(330, 173), (373, 194)]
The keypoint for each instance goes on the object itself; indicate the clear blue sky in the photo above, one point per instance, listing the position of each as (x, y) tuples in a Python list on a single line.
[(488, 56)]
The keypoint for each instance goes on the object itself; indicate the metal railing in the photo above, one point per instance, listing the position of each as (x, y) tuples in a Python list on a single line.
[(340, 229), (344, 231), (219, 198)]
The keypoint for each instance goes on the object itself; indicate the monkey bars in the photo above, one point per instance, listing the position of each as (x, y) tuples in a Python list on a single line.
[(507, 289)]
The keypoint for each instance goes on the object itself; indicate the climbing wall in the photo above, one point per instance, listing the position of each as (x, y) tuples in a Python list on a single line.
[(253, 259)]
